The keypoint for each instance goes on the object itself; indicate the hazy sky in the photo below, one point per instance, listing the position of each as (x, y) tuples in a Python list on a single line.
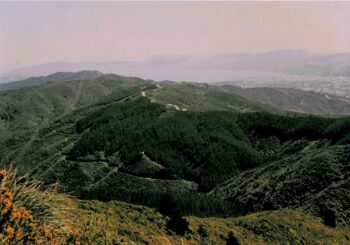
[(39, 32)]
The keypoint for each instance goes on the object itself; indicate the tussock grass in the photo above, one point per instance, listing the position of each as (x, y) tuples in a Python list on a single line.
[(46, 206)]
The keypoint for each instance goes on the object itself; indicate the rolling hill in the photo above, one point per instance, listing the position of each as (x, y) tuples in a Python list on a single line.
[(25, 110), (294, 99)]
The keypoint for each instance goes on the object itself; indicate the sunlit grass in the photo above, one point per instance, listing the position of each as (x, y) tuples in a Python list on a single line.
[(30, 211)]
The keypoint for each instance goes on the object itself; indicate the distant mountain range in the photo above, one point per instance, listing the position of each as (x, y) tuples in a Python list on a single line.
[(227, 67)]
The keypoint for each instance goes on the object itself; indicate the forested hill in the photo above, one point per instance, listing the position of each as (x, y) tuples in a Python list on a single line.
[(23, 111), (185, 149)]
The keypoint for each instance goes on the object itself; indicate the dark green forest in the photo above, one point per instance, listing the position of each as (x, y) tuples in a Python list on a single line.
[(204, 147), (207, 148)]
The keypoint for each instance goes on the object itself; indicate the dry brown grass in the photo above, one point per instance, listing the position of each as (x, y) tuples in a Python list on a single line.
[(272, 227), (31, 213), (132, 224), (72, 221)]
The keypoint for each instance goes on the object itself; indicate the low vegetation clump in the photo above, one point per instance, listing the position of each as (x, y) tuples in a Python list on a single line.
[(17, 223), (29, 215)]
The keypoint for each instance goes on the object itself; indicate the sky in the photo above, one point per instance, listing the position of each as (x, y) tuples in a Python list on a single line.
[(39, 32)]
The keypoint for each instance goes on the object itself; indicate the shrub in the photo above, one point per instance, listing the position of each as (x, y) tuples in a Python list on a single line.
[(16, 223), (29, 215), (203, 230), (232, 239), (329, 217)]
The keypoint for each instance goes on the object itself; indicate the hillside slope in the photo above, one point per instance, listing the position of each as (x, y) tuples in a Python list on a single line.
[(67, 136), (314, 180), (23, 111), (72, 141), (294, 99)]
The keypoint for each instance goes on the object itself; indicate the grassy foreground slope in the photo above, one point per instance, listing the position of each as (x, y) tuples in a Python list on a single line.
[(141, 225), (33, 214)]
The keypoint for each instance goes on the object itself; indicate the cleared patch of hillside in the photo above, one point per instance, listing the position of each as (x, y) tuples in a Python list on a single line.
[(201, 97)]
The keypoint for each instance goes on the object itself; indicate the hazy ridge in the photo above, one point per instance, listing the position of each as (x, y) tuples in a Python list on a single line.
[(284, 63)]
